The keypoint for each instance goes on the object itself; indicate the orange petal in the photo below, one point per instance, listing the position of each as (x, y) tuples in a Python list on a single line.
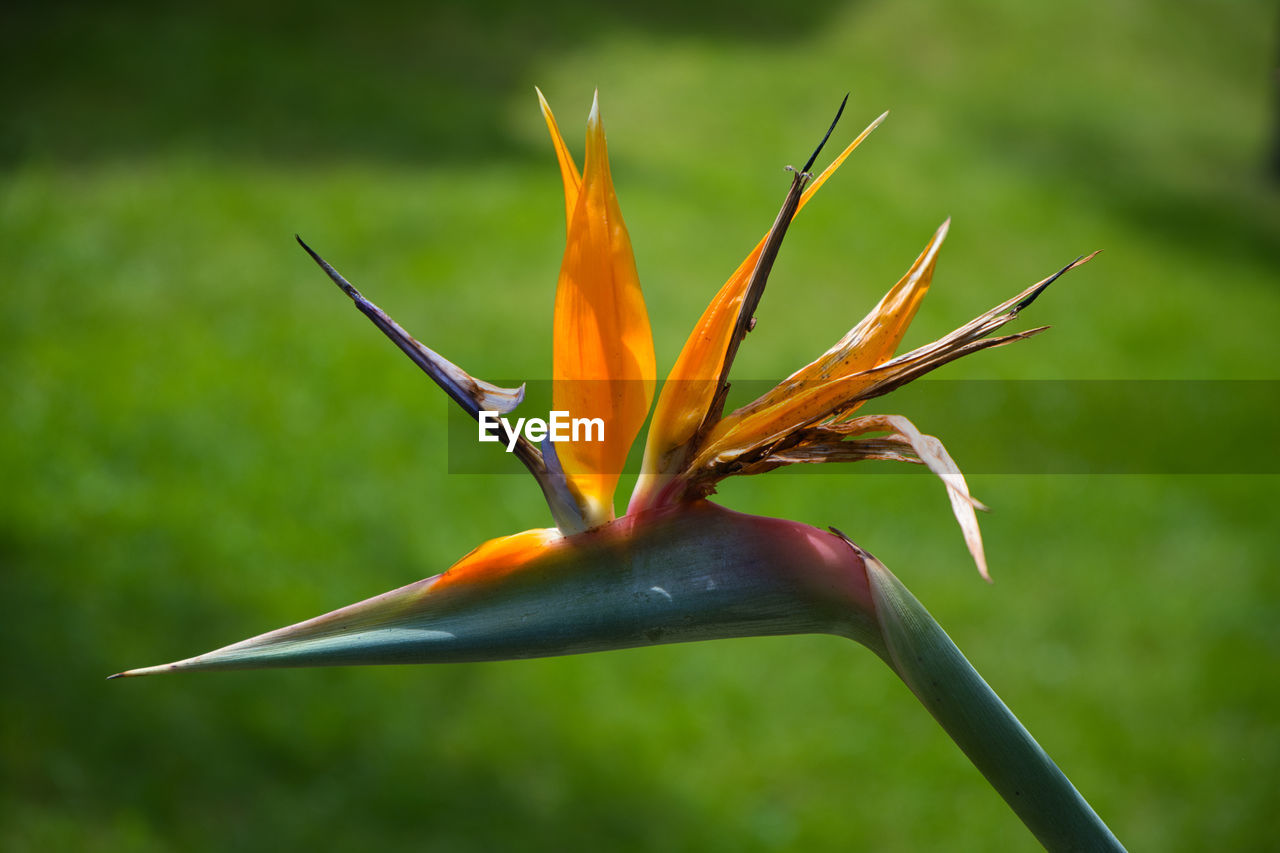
[(839, 395), (602, 363), (568, 169), (871, 342), (877, 336), (691, 386)]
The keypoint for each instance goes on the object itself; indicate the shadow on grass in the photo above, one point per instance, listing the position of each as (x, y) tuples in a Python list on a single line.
[(309, 80)]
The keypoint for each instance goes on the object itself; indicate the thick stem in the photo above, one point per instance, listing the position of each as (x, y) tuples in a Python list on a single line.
[(981, 725)]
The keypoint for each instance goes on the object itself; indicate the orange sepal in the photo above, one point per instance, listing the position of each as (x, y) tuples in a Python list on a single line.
[(602, 365), (809, 391), (498, 557), (692, 384)]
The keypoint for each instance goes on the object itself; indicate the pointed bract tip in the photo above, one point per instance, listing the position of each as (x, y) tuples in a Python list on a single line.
[(593, 117), (146, 670)]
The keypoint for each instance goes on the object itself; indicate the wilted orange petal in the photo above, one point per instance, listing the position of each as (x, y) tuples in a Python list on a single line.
[(602, 363), (691, 385), (568, 169), (876, 337), (871, 342), (839, 395)]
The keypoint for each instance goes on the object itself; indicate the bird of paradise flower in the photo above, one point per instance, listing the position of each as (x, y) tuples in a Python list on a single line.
[(677, 567)]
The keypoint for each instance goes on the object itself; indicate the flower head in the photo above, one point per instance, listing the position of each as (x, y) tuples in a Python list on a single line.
[(603, 366), (676, 567)]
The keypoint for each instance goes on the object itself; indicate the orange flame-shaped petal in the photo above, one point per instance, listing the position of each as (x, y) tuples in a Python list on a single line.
[(603, 365), (692, 384), (875, 338), (756, 428), (809, 390)]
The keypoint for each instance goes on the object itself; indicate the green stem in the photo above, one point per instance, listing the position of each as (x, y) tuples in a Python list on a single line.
[(981, 725)]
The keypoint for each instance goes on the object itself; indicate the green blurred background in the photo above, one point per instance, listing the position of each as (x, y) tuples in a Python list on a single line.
[(202, 440)]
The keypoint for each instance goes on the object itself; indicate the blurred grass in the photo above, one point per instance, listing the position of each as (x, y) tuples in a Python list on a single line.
[(203, 441)]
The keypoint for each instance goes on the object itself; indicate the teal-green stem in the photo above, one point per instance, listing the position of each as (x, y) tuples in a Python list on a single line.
[(981, 724)]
